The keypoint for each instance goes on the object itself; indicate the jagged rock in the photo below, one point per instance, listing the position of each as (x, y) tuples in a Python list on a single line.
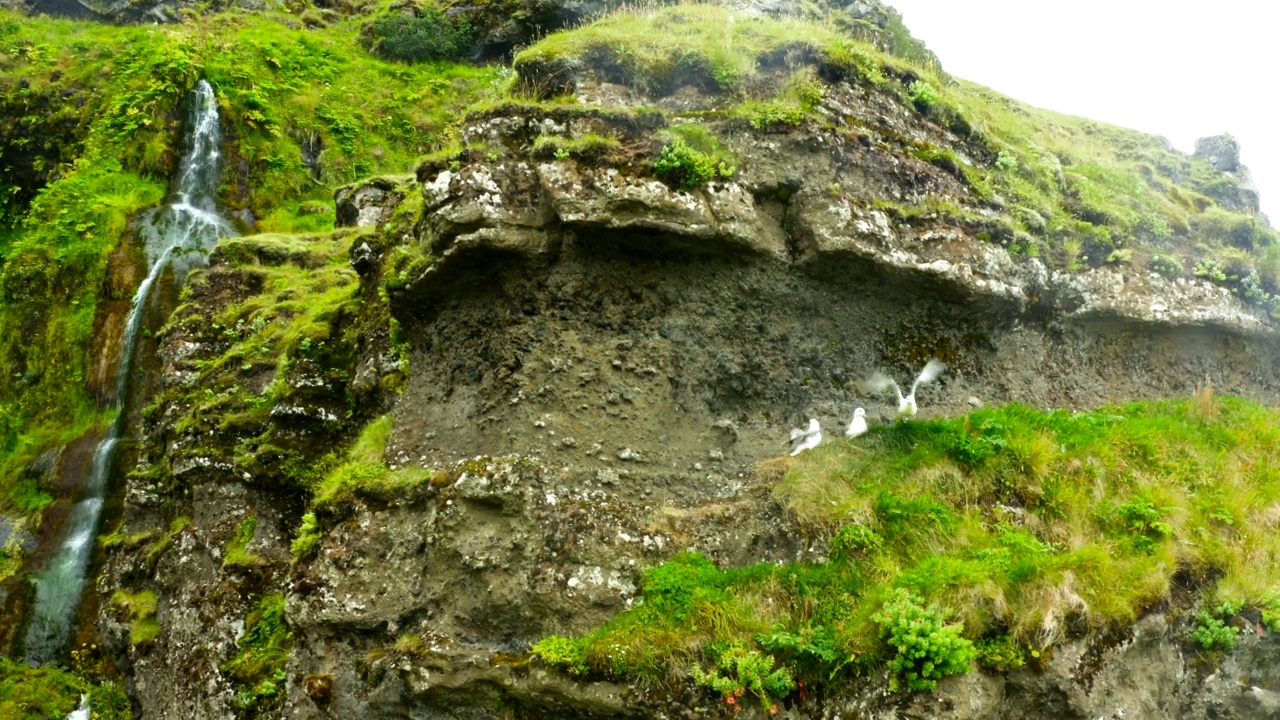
[(1235, 191)]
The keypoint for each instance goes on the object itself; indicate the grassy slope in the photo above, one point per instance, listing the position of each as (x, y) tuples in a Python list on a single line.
[(1022, 525)]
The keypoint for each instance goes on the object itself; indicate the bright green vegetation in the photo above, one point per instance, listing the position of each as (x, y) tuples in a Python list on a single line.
[(141, 608), (687, 168), (991, 537), (304, 110), (28, 693), (258, 669), (365, 473), (236, 555), (1213, 631), (300, 320)]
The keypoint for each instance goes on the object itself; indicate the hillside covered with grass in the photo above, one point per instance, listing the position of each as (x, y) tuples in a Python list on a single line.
[(993, 536)]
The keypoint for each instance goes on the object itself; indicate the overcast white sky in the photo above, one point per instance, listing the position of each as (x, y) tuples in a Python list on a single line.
[(1171, 68)]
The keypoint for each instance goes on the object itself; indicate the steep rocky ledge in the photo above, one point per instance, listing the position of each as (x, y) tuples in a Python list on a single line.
[(597, 369)]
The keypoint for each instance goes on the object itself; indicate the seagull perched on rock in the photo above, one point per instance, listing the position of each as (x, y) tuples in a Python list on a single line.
[(802, 440), (879, 382), (858, 425)]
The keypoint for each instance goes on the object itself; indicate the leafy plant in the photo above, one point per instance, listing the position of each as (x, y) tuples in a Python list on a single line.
[(1166, 266), (1212, 631), (739, 672), (925, 648), (684, 167)]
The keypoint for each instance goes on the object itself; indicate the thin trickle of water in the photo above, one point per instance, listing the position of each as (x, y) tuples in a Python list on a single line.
[(178, 236)]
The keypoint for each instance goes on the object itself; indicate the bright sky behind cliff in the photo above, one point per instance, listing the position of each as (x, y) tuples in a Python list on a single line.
[(1170, 68)]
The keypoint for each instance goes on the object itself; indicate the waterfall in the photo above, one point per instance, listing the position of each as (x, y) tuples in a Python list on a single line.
[(178, 236)]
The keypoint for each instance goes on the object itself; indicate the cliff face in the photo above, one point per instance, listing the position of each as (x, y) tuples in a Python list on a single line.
[(381, 462), (592, 365)]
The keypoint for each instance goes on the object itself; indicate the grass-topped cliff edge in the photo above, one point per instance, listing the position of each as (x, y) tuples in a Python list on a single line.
[(990, 537)]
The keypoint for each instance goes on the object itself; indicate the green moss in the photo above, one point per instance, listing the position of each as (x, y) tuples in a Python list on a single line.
[(257, 671), (283, 92), (28, 693), (236, 554), (141, 608), (1012, 522), (365, 473)]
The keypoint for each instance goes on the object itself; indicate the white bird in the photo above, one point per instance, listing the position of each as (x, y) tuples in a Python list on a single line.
[(802, 440), (879, 382), (858, 424)]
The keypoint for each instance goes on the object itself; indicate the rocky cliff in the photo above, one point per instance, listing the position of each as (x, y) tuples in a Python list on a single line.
[(379, 463)]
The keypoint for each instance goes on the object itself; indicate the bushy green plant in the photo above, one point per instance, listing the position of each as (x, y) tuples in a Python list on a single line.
[(1143, 522), (925, 649), (851, 540), (1166, 266), (427, 34), (684, 167), (1212, 631), (739, 672), (922, 95)]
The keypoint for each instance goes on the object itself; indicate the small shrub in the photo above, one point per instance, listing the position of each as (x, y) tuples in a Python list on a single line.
[(851, 540), (1120, 256), (1210, 270), (427, 34), (1166, 266), (922, 95), (687, 168), (739, 672), (1143, 522), (925, 649), (1006, 162), (1212, 631)]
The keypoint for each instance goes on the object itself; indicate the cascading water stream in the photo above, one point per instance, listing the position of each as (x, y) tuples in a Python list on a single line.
[(178, 236)]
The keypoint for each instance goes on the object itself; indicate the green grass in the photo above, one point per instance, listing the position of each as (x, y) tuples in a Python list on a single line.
[(659, 51), (1011, 523), (1073, 192)]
